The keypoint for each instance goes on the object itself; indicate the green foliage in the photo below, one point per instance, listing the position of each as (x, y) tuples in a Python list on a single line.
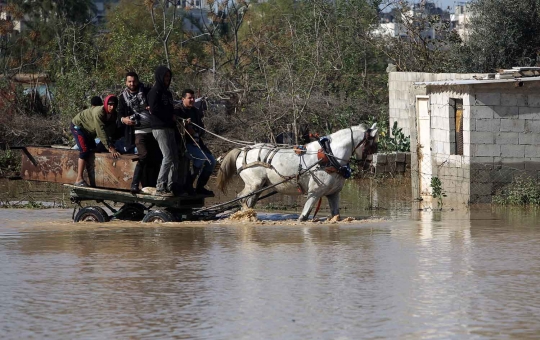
[(72, 92), (522, 191), (9, 162), (517, 27), (130, 48), (396, 141), (437, 191)]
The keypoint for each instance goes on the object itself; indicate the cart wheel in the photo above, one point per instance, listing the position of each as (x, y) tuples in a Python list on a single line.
[(131, 212), (91, 214), (159, 216)]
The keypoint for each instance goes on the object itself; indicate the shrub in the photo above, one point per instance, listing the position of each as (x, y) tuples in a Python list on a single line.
[(396, 141), (522, 191)]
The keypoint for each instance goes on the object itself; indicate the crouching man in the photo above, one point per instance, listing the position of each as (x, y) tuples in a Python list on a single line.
[(89, 124)]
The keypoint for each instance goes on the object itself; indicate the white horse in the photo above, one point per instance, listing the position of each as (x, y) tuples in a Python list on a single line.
[(308, 173)]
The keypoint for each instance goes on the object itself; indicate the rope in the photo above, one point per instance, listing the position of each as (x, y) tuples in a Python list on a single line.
[(264, 147), (194, 141), (239, 142)]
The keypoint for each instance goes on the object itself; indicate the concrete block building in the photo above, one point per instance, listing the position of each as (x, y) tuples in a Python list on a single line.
[(476, 135)]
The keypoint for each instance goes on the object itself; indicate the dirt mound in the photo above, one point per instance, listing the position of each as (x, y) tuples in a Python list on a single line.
[(248, 215), (334, 219)]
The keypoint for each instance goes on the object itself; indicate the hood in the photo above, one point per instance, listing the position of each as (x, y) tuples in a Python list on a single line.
[(159, 74), (106, 102)]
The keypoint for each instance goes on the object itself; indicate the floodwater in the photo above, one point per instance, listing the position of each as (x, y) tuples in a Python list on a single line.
[(406, 275)]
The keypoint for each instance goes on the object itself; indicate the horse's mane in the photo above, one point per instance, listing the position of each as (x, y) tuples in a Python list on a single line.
[(345, 132)]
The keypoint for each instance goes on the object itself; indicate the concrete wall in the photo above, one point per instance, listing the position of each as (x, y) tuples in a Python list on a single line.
[(401, 95), (501, 138), (505, 139), (452, 170), (390, 163)]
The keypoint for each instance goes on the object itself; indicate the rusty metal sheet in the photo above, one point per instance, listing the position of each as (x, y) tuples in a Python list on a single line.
[(47, 164)]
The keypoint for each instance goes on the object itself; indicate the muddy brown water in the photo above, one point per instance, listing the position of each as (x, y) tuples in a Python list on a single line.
[(403, 274)]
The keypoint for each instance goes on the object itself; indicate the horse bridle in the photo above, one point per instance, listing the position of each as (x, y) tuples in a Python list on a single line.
[(367, 133)]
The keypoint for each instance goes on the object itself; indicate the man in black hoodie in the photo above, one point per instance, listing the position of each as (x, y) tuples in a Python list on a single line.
[(161, 104)]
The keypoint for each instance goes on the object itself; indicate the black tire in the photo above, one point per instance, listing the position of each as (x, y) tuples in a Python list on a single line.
[(159, 216), (91, 214), (131, 212)]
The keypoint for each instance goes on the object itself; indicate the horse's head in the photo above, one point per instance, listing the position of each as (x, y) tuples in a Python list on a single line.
[(368, 145)]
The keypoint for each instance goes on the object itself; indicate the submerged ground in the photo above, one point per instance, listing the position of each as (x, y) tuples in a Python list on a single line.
[(397, 273)]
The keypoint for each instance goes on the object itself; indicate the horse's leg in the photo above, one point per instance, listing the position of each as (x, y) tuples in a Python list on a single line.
[(252, 200), (307, 207), (333, 202), (249, 202)]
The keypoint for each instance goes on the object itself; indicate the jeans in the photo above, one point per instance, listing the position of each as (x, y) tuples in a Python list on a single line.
[(201, 159), (168, 173), (120, 146)]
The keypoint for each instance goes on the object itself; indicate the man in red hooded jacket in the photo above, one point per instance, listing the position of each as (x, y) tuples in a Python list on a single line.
[(89, 124)]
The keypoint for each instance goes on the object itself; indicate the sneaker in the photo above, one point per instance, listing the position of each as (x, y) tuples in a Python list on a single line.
[(81, 184), (134, 190), (164, 193), (205, 192)]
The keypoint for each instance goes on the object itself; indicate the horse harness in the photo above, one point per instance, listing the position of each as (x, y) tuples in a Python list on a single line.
[(330, 162), (325, 156), (267, 163)]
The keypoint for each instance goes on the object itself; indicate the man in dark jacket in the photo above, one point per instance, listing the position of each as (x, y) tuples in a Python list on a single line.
[(134, 117), (203, 160), (163, 124)]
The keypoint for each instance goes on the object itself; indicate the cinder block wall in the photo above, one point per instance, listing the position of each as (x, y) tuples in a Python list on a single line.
[(452, 170), (501, 138), (401, 96), (505, 136)]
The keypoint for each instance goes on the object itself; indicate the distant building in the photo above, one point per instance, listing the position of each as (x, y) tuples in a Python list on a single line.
[(195, 19), (9, 25), (397, 24), (101, 9), (461, 20), (391, 29)]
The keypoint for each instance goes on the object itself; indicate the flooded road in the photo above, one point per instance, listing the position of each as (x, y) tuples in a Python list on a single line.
[(410, 275)]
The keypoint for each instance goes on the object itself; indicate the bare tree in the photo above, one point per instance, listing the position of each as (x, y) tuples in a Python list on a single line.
[(164, 14)]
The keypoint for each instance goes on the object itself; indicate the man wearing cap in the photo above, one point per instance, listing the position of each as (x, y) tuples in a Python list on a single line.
[(89, 124), (96, 101)]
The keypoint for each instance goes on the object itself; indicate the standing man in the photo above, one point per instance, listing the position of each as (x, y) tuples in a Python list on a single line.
[(135, 119), (203, 160), (161, 104), (89, 124)]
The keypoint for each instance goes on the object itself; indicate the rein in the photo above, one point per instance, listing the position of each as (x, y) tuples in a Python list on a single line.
[(363, 141)]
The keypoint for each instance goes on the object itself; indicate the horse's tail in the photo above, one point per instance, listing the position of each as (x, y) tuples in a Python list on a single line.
[(227, 169)]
